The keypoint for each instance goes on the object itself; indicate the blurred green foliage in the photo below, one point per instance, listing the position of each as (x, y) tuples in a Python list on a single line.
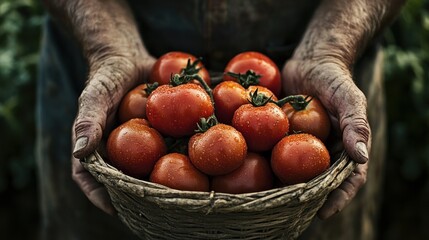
[(20, 22), (407, 86)]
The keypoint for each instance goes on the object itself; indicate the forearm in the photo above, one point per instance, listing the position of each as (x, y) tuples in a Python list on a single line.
[(103, 28), (341, 29)]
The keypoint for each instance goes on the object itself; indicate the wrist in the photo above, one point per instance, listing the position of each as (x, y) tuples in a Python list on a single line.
[(340, 30), (103, 34)]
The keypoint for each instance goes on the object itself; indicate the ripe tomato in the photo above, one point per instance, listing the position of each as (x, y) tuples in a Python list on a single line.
[(133, 148), (173, 63), (308, 117), (175, 111), (253, 175), (229, 96), (298, 158), (262, 126), (258, 63), (176, 171), (133, 104), (219, 150)]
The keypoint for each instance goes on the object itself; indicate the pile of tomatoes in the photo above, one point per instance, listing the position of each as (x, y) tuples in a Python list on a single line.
[(182, 131)]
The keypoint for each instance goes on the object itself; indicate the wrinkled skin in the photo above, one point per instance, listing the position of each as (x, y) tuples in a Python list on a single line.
[(117, 62), (321, 66), (346, 106)]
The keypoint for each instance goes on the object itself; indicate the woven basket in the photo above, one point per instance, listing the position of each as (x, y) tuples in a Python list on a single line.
[(153, 211)]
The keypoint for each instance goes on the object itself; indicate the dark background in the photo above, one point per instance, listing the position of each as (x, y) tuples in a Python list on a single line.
[(405, 206)]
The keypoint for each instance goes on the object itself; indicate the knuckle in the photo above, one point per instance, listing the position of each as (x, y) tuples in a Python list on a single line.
[(356, 123), (91, 129), (82, 125)]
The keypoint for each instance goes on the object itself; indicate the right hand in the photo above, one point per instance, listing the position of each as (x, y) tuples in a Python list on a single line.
[(327, 79), (109, 80)]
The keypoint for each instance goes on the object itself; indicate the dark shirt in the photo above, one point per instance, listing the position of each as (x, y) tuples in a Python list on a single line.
[(217, 29)]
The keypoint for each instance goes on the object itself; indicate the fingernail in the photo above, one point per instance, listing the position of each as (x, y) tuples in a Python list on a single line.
[(80, 144), (362, 151)]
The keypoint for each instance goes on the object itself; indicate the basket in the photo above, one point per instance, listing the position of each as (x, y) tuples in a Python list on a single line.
[(153, 211)]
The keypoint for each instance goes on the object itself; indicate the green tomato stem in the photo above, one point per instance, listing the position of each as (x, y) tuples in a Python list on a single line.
[(298, 102), (206, 123), (259, 99), (150, 87), (205, 86), (248, 79)]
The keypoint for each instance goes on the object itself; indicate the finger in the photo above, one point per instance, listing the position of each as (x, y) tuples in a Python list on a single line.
[(350, 106), (339, 198), (103, 92), (355, 128), (94, 191), (331, 82)]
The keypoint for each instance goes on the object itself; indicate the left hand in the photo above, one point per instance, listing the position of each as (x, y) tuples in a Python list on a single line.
[(330, 81)]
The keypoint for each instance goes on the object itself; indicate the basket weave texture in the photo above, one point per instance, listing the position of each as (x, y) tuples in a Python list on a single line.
[(153, 211)]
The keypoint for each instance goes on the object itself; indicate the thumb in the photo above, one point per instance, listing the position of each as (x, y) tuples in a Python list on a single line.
[(352, 117), (105, 87), (331, 81)]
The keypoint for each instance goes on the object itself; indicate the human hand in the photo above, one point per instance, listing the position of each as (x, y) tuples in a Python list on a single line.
[(108, 82), (330, 80), (118, 61)]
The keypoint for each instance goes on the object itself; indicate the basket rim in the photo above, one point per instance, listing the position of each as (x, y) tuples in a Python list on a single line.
[(318, 187)]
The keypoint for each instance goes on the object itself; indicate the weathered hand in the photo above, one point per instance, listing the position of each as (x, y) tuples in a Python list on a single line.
[(107, 84), (118, 61), (330, 80)]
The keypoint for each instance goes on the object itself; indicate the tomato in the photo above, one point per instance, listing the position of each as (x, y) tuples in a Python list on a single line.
[(262, 126), (175, 111), (308, 117), (259, 64), (173, 63), (219, 150), (253, 175), (298, 158), (133, 104), (176, 171), (229, 96), (133, 147)]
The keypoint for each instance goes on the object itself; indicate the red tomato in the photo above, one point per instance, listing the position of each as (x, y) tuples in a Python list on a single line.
[(173, 63), (219, 150), (175, 111), (309, 117), (176, 171), (253, 175), (133, 104), (261, 126), (298, 158), (229, 96), (133, 148), (258, 63)]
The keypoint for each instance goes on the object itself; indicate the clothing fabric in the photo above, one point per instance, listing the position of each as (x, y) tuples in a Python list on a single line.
[(215, 30)]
